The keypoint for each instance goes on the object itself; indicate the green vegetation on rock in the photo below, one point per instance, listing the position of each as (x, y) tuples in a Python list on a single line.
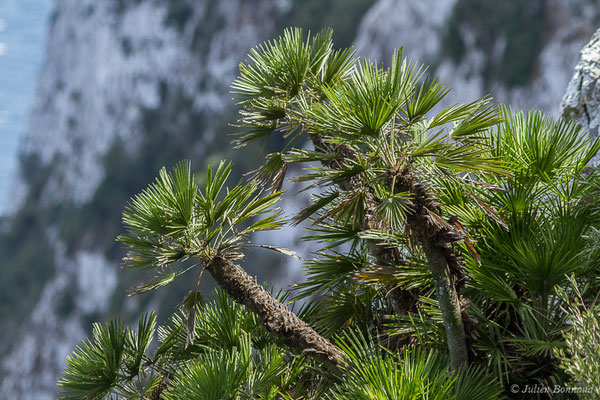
[(27, 256), (509, 33)]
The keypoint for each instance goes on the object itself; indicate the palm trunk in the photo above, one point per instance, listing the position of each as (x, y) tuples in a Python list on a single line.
[(277, 318), (449, 305), (447, 269), (400, 301)]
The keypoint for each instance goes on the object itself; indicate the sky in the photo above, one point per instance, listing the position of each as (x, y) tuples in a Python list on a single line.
[(23, 28)]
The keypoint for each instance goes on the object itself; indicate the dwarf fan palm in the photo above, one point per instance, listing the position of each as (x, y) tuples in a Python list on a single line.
[(450, 230), (378, 149)]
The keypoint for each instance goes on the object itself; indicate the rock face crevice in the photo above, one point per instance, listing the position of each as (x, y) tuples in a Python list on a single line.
[(581, 101)]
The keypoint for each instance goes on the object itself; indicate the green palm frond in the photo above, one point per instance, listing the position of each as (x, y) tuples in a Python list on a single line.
[(214, 375), (344, 209), (412, 375), (326, 176), (161, 280), (427, 96), (344, 307), (252, 132), (304, 155), (368, 102), (426, 144), (94, 369), (495, 283), (338, 67), (272, 171), (411, 273), (174, 220), (137, 343), (452, 159), (459, 112), (278, 68), (268, 373), (476, 383), (479, 120), (536, 146), (539, 249), (107, 363), (490, 344), (330, 270), (423, 325), (333, 233), (393, 209), (319, 202)]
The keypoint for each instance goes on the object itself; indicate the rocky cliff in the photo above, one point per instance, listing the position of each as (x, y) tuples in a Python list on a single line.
[(520, 52), (122, 81), (130, 86), (582, 99)]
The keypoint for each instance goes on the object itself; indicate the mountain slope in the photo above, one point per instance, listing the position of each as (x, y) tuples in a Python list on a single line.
[(123, 80)]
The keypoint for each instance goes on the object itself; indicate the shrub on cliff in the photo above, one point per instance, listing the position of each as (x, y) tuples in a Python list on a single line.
[(446, 237)]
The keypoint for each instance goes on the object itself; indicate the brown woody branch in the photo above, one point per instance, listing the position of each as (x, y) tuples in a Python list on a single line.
[(276, 317), (447, 269)]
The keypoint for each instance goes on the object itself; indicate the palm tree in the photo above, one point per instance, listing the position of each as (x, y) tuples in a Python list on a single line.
[(446, 236), (379, 153)]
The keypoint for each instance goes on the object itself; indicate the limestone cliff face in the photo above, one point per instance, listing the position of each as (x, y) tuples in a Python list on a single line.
[(114, 72), (522, 53), (106, 63), (581, 102)]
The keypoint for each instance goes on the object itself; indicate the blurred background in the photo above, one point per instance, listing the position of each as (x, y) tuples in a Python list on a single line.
[(97, 95)]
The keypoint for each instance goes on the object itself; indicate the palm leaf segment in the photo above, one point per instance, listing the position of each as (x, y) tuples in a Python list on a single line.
[(174, 220)]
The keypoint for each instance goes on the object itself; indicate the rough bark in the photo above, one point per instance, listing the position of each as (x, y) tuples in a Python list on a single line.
[(277, 318), (449, 305)]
